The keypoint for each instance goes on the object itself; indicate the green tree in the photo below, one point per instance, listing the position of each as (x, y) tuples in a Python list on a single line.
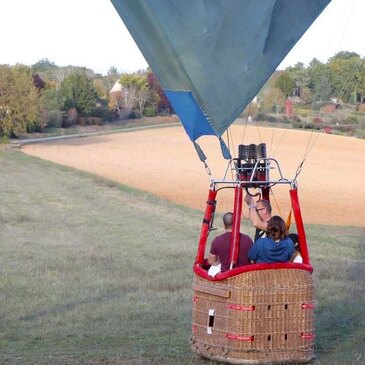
[(322, 90), (52, 99), (43, 66), (301, 78), (112, 76), (19, 101), (345, 71), (100, 87), (135, 91), (360, 82), (79, 92), (285, 83), (316, 71)]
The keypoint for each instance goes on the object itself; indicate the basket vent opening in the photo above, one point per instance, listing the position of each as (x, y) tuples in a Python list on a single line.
[(210, 321)]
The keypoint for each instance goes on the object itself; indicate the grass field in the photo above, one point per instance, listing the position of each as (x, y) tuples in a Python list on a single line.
[(93, 272)]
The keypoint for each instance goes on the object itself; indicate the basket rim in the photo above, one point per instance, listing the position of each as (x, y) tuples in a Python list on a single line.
[(203, 273)]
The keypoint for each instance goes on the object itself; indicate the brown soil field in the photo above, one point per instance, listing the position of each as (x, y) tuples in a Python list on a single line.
[(164, 162)]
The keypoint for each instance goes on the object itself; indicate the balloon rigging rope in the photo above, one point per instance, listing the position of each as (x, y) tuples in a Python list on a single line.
[(232, 141), (230, 137), (272, 137), (246, 123), (345, 86), (312, 139), (279, 144), (320, 113), (244, 131)]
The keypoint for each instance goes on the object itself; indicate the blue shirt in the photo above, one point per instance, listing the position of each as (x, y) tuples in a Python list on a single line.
[(266, 250)]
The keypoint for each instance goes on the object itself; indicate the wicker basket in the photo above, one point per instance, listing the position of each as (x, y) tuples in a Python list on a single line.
[(255, 317)]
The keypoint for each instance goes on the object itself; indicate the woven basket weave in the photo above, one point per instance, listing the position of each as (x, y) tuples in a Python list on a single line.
[(256, 317)]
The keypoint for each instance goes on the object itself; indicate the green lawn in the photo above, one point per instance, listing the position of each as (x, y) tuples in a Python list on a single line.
[(93, 272)]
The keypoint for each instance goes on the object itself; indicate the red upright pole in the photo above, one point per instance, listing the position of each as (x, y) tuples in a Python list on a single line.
[(235, 236), (265, 193), (209, 211), (300, 226)]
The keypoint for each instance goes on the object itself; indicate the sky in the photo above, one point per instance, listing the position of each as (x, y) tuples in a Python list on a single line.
[(90, 33)]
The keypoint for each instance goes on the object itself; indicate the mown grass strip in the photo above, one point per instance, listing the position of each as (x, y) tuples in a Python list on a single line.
[(95, 272)]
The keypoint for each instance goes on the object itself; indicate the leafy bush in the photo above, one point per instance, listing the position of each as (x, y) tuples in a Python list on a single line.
[(351, 120), (290, 120), (305, 113), (294, 119), (71, 118), (361, 108), (34, 127), (318, 121), (285, 120), (359, 133), (335, 120), (271, 119), (299, 125), (94, 121), (54, 119), (149, 111), (275, 108), (134, 115), (164, 112), (345, 128), (316, 106), (78, 92), (81, 121), (309, 126), (261, 116)]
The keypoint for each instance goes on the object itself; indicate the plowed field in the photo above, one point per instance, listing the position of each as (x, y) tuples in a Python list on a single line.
[(164, 162)]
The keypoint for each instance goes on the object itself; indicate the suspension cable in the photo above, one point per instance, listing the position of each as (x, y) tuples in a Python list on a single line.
[(312, 141), (244, 132), (320, 113)]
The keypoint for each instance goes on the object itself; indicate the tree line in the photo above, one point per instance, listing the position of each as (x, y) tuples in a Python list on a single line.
[(341, 80), (44, 95)]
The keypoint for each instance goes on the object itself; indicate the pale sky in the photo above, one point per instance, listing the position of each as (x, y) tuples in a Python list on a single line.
[(90, 33)]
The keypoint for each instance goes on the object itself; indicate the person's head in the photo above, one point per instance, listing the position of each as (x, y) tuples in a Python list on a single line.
[(263, 209), (228, 220), (276, 228), (295, 238)]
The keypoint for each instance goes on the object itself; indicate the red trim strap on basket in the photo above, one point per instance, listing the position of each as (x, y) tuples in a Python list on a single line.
[(307, 336), (307, 305), (241, 307), (240, 338)]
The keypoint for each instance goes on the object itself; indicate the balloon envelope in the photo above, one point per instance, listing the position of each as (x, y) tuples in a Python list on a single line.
[(212, 57)]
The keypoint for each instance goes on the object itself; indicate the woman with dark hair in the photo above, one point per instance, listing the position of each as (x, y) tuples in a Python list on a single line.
[(275, 247)]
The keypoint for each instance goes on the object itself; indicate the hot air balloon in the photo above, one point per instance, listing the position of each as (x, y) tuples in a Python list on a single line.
[(211, 58)]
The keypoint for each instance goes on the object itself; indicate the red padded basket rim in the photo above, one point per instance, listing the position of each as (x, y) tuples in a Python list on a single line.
[(200, 271)]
